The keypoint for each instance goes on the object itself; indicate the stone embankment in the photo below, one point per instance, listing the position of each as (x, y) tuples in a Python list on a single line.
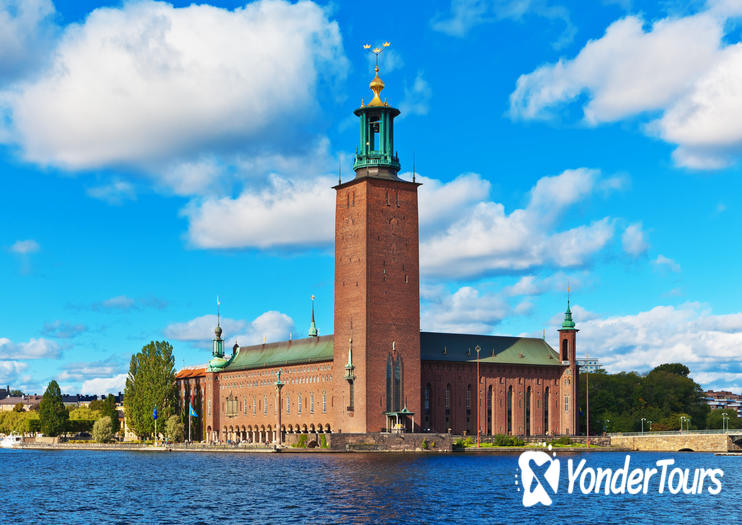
[(676, 441)]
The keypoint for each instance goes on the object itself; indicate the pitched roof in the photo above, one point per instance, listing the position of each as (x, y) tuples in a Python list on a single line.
[(436, 346), (191, 371), (308, 350)]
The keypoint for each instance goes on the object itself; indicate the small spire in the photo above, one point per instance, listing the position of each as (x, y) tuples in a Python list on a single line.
[(568, 323), (218, 329), (413, 166), (376, 84), (313, 332), (339, 170)]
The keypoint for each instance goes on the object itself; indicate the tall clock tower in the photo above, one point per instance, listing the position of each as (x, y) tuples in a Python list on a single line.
[(377, 284)]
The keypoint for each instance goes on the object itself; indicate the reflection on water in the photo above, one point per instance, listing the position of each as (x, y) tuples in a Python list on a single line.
[(129, 487)]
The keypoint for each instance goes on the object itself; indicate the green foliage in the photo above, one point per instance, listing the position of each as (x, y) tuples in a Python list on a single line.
[(503, 440), (463, 442), (196, 422), (174, 429), (432, 444), (424, 444), (302, 443), (102, 430), (323, 441), (562, 441), (52, 412), (16, 393), (75, 426), (84, 413), (619, 401), (108, 408), (151, 382), (18, 407), (715, 419), (19, 422), (96, 404)]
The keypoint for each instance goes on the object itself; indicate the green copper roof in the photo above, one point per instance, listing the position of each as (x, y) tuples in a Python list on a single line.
[(494, 349), (309, 350), (568, 323)]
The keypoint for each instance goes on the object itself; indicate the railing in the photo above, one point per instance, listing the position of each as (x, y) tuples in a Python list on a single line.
[(735, 431)]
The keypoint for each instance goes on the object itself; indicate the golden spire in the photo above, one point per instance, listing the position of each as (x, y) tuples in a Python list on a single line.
[(377, 84)]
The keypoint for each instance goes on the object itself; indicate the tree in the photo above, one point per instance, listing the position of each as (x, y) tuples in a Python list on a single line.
[(16, 393), (715, 418), (174, 429), (151, 381), (96, 404), (18, 407), (102, 430), (673, 368), (108, 408), (52, 412)]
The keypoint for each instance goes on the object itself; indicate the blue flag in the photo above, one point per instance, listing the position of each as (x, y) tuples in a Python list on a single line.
[(193, 412), (154, 414)]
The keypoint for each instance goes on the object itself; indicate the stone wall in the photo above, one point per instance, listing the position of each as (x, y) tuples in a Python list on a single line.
[(377, 441), (677, 442)]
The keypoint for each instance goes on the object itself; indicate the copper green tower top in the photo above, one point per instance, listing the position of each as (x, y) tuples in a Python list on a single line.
[(375, 156)]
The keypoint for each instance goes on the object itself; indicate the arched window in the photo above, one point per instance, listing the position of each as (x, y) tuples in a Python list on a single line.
[(398, 398), (565, 350), (546, 410), (489, 411), (510, 409), (447, 406), (389, 385), (468, 408), (528, 411)]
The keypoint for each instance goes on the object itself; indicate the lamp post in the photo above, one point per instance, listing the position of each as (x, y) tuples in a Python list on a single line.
[(605, 425), (684, 419), (587, 402), (650, 425), (643, 420), (479, 400), (725, 421)]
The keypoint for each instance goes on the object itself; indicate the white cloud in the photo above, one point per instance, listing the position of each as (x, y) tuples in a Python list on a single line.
[(288, 213), (710, 345), (25, 247), (34, 348), (634, 240), (467, 14), (417, 97), (116, 192), (89, 370), (558, 282), (26, 36), (104, 385), (148, 81), (271, 325), (120, 302), (464, 311), (485, 239), (63, 330), (10, 371), (679, 68), (666, 262)]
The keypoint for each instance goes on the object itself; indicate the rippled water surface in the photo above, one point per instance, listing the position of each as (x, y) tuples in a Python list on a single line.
[(146, 487)]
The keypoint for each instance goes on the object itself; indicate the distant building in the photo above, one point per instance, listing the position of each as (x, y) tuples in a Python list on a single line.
[(29, 402), (4, 392), (378, 372), (724, 399)]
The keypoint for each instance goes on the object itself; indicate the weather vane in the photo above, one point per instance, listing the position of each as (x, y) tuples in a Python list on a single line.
[(377, 51)]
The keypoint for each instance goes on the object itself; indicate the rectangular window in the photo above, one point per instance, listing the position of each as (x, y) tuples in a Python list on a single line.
[(209, 406), (298, 405), (288, 405), (311, 403), (324, 402), (566, 403), (265, 405)]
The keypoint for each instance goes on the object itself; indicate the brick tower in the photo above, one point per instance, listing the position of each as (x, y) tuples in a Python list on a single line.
[(377, 290), (570, 376)]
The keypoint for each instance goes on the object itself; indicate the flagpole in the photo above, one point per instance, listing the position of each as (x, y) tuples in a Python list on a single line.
[(189, 423)]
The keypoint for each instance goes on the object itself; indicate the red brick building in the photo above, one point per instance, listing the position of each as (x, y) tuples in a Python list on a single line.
[(378, 372)]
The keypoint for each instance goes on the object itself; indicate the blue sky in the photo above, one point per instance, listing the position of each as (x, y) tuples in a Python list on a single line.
[(155, 155)]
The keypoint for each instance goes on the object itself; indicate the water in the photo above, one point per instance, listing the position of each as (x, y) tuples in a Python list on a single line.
[(145, 487)]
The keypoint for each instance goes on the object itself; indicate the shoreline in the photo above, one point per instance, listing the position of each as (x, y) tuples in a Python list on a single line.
[(291, 450)]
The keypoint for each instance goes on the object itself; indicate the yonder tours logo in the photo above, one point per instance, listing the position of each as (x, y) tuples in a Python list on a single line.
[(540, 475)]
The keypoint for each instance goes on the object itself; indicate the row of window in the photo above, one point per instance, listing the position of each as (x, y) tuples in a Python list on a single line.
[(232, 405)]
